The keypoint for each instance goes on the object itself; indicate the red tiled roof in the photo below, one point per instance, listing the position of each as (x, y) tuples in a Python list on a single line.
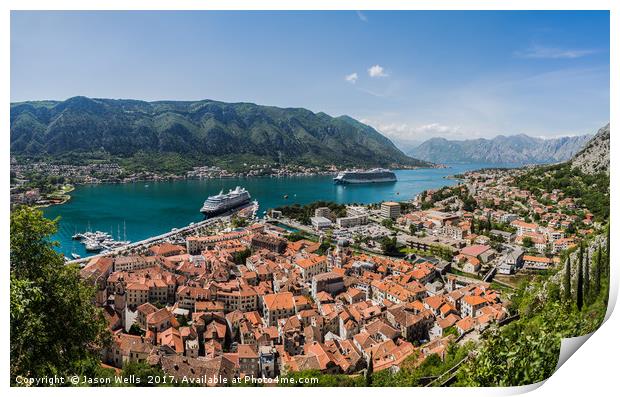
[(475, 250)]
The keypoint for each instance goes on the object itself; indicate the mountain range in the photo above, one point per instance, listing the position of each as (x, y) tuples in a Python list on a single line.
[(594, 157), (515, 149), (199, 132)]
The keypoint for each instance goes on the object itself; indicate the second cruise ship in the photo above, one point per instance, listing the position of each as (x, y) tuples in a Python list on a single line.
[(376, 175), (223, 202)]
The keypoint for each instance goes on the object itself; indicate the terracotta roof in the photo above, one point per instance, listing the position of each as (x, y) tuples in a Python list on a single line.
[(541, 259), (435, 302), (466, 324), (279, 301), (132, 343), (475, 250), (137, 287), (474, 300), (519, 223), (178, 367), (166, 248), (449, 321), (158, 316), (247, 351), (147, 308), (171, 337)]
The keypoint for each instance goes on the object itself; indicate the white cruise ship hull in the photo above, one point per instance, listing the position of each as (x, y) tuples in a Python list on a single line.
[(360, 177), (345, 181), (210, 212), (222, 203)]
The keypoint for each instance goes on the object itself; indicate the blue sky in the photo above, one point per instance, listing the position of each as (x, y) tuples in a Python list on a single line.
[(412, 75)]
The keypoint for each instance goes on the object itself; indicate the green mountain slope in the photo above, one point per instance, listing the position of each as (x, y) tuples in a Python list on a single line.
[(200, 132)]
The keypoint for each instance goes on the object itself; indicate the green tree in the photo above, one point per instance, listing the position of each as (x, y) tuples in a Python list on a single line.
[(239, 257), (142, 372), (236, 222), (586, 277), (451, 330), (523, 352), (369, 371), (183, 321), (324, 380), (597, 272), (528, 242), (32, 255), (389, 246), (387, 223), (469, 203), (567, 274), (580, 279), (55, 328), (607, 256), (135, 330), (296, 236)]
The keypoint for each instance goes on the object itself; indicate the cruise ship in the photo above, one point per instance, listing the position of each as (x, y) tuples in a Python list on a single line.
[(221, 202), (376, 175)]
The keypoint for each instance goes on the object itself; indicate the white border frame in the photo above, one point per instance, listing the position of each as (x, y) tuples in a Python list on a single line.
[(592, 370)]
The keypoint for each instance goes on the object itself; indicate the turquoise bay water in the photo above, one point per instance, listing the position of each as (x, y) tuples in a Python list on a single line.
[(152, 208)]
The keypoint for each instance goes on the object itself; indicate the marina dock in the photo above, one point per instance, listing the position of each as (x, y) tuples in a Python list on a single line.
[(175, 234)]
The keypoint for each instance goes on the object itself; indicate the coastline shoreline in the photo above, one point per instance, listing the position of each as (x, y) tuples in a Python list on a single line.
[(174, 178), (260, 180), (66, 197)]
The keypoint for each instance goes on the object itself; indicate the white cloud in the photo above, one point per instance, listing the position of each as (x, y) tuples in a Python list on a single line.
[(405, 132), (377, 71), (436, 129), (351, 78), (361, 16), (540, 52)]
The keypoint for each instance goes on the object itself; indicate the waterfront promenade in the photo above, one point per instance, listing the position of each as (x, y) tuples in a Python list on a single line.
[(193, 229), (175, 234)]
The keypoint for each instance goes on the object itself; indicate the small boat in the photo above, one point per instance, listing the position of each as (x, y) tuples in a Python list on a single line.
[(93, 246), (75, 256), (286, 196)]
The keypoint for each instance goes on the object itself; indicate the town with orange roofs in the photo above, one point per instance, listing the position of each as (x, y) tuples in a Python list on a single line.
[(276, 297)]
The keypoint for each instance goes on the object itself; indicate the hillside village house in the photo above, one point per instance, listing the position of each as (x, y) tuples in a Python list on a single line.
[(471, 304), (511, 261), (311, 266), (524, 227), (278, 306), (537, 262)]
